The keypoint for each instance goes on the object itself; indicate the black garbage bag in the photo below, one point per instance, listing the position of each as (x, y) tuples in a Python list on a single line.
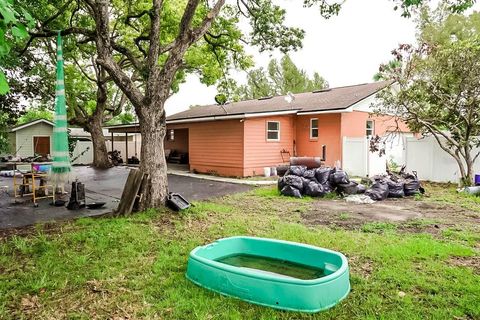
[(327, 187), (293, 181), (348, 188), (305, 183), (291, 192), (282, 170), (361, 188), (395, 189), (339, 177), (314, 189), (322, 174), (309, 174), (378, 191), (281, 183), (411, 187), (296, 171)]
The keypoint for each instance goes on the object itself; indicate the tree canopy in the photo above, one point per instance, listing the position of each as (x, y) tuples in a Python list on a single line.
[(279, 78), (436, 88)]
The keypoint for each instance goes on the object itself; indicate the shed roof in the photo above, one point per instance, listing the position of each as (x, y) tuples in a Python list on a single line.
[(31, 123)]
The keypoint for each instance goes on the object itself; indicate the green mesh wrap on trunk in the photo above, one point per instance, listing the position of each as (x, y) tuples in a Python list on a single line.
[(61, 158)]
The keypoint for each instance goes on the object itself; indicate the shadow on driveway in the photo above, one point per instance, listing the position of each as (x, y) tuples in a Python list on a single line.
[(102, 185)]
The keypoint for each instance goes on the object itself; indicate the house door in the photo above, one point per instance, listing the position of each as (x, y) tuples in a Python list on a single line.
[(41, 145)]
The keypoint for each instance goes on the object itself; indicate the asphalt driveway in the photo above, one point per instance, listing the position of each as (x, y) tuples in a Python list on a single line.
[(106, 186)]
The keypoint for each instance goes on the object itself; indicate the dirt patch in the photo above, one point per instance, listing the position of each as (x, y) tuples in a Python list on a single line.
[(360, 266), (468, 262), (401, 212)]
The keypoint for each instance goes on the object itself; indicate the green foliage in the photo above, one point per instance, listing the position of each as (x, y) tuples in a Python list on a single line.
[(35, 113), (280, 78), (4, 143), (14, 21), (123, 118)]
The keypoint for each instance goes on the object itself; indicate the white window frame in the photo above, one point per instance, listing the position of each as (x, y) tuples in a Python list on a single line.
[(372, 129), (278, 131), (311, 129)]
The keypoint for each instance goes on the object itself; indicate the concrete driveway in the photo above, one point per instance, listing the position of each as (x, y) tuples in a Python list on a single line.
[(105, 186)]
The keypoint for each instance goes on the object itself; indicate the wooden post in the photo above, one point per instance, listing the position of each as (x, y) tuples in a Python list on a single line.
[(112, 142), (126, 147)]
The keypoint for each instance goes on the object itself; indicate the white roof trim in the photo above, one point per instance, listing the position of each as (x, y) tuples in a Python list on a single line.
[(238, 116), (349, 109), (136, 124), (26, 125), (266, 114), (203, 119)]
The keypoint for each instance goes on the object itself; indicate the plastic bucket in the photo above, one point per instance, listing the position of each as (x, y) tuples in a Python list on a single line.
[(267, 171), (477, 179)]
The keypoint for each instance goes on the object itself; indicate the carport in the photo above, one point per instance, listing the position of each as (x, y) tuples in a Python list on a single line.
[(176, 141)]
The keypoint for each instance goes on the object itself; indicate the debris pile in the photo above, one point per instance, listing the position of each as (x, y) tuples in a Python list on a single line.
[(298, 181)]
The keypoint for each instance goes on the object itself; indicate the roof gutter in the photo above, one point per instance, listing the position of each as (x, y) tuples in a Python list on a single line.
[(349, 109), (230, 117)]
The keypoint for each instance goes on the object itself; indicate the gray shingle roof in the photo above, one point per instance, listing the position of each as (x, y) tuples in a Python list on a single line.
[(330, 99)]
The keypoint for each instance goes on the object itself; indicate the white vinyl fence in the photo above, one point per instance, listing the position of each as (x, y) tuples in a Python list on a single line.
[(431, 162), (359, 161)]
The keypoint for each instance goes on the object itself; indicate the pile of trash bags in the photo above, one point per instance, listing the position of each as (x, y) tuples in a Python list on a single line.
[(299, 181)]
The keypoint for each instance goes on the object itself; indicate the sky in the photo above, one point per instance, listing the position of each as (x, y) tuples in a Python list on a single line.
[(345, 50)]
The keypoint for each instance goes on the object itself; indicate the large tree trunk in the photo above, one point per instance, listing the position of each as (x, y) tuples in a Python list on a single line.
[(100, 154), (152, 162)]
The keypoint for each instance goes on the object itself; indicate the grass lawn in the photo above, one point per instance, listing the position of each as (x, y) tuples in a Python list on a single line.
[(134, 268)]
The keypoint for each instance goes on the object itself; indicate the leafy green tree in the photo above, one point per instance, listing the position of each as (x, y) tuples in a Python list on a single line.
[(92, 98), (436, 87), (35, 113), (13, 28), (280, 78)]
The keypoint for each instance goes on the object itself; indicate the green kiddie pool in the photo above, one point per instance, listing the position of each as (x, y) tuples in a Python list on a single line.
[(274, 273)]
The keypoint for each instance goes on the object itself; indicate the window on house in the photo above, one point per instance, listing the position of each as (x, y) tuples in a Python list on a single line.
[(314, 128), (370, 128), (273, 131), (171, 135)]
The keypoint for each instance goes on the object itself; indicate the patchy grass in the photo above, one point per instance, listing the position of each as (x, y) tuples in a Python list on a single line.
[(378, 227), (447, 193), (134, 267)]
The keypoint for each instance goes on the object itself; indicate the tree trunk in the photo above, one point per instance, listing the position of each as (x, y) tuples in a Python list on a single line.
[(152, 162), (468, 179), (100, 154)]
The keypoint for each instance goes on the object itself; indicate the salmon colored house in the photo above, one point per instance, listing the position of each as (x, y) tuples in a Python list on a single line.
[(241, 138)]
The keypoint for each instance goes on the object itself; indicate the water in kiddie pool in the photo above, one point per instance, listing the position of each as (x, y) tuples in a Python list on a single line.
[(273, 266)]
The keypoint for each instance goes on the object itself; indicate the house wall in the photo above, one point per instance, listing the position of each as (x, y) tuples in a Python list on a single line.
[(24, 138), (329, 134), (215, 147), (354, 124), (260, 153)]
